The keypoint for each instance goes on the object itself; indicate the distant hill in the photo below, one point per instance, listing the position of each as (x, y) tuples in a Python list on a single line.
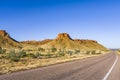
[(7, 41), (64, 41), (91, 44), (33, 42)]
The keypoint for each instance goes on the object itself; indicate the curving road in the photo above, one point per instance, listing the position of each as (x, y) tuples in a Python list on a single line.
[(104, 67)]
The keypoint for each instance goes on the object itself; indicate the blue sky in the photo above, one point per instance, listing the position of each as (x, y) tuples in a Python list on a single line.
[(84, 19)]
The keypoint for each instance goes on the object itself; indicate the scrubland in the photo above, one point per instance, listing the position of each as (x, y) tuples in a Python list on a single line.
[(12, 60)]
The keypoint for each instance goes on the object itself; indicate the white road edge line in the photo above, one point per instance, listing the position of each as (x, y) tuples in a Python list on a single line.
[(110, 70)]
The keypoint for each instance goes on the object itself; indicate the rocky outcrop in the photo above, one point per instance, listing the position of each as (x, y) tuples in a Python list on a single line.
[(91, 44), (7, 41), (85, 41), (64, 41), (3, 33), (33, 42), (63, 36)]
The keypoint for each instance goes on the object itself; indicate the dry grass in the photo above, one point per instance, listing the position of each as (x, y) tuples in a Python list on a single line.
[(7, 66), (118, 52)]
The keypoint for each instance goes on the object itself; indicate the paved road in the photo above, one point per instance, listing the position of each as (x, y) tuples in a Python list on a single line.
[(95, 68)]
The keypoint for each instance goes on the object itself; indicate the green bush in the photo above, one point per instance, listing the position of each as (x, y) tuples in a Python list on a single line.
[(70, 52), (53, 49), (13, 56), (93, 52), (48, 55), (2, 50), (77, 51), (41, 49), (38, 55), (22, 54)]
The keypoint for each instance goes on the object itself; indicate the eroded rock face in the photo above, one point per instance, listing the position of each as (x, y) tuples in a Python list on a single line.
[(63, 36), (85, 41), (7, 41), (33, 42), (3, 33)]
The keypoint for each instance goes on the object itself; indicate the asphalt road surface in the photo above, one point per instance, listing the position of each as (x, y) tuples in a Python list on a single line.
[(104, 67)]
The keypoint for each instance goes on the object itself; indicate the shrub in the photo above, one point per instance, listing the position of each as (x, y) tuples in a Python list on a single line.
[(13, 56), (20, 47), (88, 52), (48, 55), (53, 49), (61, 53), (2, 57), (2, 50), (70, 52), (77, 51), (93, 52), (38, 55), (41, 49), (22, 54)]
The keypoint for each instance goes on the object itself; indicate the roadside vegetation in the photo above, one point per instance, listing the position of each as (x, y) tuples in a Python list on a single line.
[(19, 59), (118, 51)]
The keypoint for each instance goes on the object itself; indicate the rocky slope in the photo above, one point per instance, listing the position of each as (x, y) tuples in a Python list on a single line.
[(64, 41), (91, 44), (7, 41), (33, 42)]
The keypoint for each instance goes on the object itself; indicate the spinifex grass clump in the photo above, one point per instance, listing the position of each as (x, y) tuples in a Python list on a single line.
[(13, 56), (22, 54)]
